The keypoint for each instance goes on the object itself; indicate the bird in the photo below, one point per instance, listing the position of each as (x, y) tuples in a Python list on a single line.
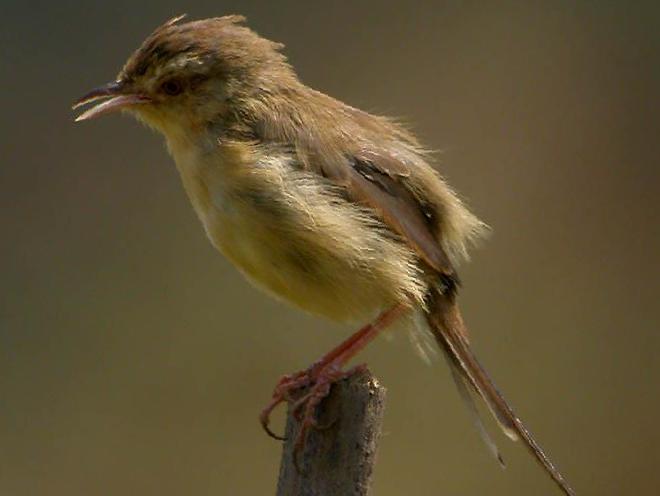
[(332, 209)]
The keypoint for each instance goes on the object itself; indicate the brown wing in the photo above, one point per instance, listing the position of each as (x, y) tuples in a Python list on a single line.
[(378, 180)]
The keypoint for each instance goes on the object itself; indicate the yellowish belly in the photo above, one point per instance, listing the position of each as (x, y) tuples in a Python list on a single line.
[(294, 270), (290, 237)]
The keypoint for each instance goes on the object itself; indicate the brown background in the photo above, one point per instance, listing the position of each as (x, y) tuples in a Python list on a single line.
[(134, 359)]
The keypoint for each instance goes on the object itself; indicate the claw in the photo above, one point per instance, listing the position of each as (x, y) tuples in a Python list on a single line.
[(282, 392), (264, 419), (319, 381)]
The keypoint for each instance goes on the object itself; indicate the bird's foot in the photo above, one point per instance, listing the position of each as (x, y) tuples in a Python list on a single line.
[(285, 390), (304, 391)]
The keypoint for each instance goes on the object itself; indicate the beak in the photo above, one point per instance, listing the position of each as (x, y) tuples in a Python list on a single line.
[(116, 98)]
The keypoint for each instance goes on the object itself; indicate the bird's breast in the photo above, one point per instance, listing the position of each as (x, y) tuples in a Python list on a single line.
[(284, 232)]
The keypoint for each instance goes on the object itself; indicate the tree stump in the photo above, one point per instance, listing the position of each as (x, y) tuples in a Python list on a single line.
[(337, 460)]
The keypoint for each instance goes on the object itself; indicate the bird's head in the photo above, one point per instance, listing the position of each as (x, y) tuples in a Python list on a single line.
[(187, 75)]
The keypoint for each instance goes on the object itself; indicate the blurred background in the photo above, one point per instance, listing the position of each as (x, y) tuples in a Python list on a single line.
[(135, 360)]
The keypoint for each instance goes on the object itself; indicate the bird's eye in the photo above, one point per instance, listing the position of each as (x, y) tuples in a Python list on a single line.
[(172, 87)]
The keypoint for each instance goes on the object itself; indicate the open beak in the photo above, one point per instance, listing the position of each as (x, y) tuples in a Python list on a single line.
[(115, 99)]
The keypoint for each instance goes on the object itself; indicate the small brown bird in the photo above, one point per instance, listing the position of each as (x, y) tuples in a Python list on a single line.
[(325, 206)]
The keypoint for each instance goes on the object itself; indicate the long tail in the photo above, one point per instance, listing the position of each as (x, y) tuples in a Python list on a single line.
[(444, 318)]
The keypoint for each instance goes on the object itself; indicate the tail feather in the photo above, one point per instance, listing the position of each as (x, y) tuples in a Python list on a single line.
[(445, 321), (466, 395)]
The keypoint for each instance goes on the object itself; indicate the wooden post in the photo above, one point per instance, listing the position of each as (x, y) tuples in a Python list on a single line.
[(339, 460)]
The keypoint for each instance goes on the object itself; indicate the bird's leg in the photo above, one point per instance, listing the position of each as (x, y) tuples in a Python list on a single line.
[(322, 374)]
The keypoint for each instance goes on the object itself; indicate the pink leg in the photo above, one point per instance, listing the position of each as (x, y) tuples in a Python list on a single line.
[(322, 374)]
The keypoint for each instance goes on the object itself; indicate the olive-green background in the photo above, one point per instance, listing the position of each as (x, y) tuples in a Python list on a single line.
[(134, 359)]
